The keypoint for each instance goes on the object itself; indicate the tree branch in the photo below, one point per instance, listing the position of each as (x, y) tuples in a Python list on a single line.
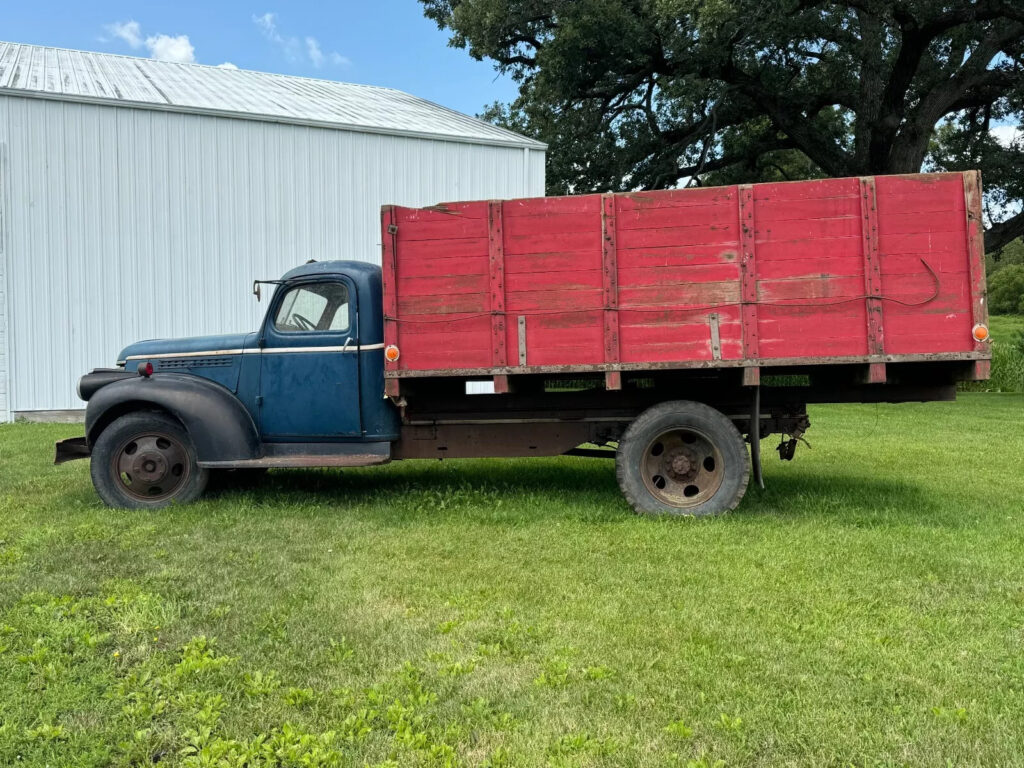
[(1002, 233)]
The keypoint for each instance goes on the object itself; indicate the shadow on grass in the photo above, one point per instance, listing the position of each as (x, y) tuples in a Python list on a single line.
[(848, 499), (524, 490)]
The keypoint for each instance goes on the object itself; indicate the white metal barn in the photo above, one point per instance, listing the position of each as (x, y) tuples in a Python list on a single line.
[(139, 198)]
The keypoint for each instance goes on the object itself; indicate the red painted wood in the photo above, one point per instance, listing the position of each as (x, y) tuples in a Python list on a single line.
[(610, 282), (872, 269), (975, 251), (389, 273), (804, 249), (677, 255), (791, 270), (677, 198), (662, 218), (538, 206), (807, 190), (748, 274), (496, 283)]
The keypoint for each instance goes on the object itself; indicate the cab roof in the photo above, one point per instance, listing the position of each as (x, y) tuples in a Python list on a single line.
[(316, 268)]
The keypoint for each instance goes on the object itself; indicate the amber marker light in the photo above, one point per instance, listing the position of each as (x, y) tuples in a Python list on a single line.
[(391, 353), (980, 332)]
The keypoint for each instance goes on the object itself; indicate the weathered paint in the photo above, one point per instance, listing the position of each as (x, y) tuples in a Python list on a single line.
[(749, 294), (796, 273), (976, 250), (496, 273)]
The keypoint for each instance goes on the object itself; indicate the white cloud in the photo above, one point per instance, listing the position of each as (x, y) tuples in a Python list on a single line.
[(167, 48), (295, 49), (268, 26), (128, 31), (163, 47), (226, 65), (315, 54)]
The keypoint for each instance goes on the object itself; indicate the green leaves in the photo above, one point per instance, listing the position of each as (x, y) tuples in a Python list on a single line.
[(648, 93)]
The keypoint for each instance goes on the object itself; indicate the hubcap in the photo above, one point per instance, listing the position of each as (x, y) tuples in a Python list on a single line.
[(151, 466), (682, 468)]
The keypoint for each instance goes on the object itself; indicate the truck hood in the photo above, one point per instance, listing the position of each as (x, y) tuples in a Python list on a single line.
[(223, 343)]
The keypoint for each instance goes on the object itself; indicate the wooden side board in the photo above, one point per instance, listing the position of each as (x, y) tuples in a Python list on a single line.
[(872, 270)]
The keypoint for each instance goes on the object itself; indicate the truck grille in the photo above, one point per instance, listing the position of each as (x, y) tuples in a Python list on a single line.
[(194, 362)]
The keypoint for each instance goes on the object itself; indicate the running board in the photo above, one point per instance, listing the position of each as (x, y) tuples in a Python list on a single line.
[(284, 455)]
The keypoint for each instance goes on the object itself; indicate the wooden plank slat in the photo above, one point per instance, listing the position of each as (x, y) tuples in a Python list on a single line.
[(975, 252), (610, 274), (748, 274), (872, 276), (496, 270)]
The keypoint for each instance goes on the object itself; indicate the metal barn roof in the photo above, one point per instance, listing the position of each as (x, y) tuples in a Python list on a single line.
[(84, 76)]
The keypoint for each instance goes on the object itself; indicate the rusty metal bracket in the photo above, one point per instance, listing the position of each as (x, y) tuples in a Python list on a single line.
[(754, 436), (522, 339), (716, 337)]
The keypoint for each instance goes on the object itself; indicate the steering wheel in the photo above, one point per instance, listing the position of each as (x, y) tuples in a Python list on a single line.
[(303, 323)]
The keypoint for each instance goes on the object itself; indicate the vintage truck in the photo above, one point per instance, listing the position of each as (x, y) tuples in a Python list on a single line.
[(669, 330)]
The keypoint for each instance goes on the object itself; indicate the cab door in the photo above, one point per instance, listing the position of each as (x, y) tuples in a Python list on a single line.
[(309, 363)]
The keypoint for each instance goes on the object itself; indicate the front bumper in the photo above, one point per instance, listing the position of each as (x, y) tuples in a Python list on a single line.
[(71, 449)]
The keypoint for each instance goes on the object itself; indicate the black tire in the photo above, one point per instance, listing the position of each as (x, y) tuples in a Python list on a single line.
[(146, 460), (682, 458)]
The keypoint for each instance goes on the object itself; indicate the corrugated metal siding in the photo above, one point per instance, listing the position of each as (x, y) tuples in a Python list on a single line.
[(128, 224), (85, 75), (5, 413)]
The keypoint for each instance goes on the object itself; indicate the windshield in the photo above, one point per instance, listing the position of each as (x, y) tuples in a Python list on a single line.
[(314, 307)]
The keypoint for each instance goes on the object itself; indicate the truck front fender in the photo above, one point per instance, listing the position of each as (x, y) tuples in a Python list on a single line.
[(219, 425)]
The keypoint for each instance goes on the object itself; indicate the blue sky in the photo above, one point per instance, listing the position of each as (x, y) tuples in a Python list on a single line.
[(382, 42)]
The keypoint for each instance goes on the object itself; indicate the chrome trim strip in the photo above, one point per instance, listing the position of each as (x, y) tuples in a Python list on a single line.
[(254, 351)]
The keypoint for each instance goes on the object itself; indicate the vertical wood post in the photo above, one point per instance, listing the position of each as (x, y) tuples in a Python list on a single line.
[(389, 276), (976, 252), (872, 278), (496, 258), (748, 282), (610, 282)]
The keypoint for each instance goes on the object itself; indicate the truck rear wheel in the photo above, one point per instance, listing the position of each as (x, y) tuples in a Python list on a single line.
[(146, 460), (682, 458)]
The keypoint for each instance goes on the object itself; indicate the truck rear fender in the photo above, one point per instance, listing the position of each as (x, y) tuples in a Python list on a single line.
[(219, 425)]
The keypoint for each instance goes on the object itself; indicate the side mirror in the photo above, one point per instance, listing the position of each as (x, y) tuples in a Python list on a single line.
[(256, 289)]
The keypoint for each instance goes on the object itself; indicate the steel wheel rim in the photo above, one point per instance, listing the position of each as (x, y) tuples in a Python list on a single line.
[(682, 468), (151, 466)]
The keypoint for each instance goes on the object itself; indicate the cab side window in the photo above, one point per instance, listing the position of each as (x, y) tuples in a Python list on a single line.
[(314, 307)]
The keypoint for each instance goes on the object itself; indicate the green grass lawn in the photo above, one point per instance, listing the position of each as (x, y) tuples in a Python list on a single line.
[(1007, 356), (866, 609), (1004, 327)]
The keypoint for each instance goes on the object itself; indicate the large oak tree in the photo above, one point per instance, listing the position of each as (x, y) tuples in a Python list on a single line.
[(655, 93)]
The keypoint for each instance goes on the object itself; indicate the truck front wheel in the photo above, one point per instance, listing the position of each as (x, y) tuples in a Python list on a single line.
[(682, 458), (145, 460)]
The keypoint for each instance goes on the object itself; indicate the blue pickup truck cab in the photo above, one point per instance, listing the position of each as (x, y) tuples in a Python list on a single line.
[(306, 389)]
